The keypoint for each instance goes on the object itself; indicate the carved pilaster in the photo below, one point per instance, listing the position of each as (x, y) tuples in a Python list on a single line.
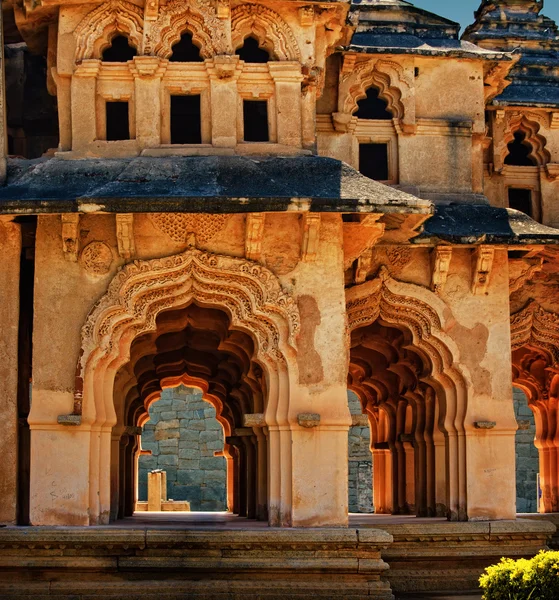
[(70, 236), (363, 266), (442, 255), (483, 265), (125, 235), (311, 237), (254, 233)]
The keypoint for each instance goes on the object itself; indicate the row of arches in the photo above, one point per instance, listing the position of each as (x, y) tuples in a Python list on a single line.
[(185, 50)]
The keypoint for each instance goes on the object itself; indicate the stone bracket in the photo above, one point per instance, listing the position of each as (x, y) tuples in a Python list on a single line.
[(308, 420), (254, 232), (311, 237), (441, 257), (483, 266), (125, 235), (363, 266), (70, 236), (71, 420), (485, 424)]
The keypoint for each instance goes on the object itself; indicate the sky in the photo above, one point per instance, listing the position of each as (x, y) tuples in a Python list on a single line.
[(462, 11)]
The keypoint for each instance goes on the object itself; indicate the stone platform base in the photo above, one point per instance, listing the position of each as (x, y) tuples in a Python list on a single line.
[(428, 559), (116, 564)]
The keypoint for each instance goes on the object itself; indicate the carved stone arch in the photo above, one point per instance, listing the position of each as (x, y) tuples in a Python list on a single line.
[(535, 370), (96, 30), (273, 33), (393, 82), (420, 312), (199, 18), (530, 126)]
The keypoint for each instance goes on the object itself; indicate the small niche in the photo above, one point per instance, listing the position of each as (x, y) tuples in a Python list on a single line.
[(185, 50), (520, 152), (255, 119), (373, 107), (251, 52), (186, 120), (521, 199), (118, 125), (119, 50), (373, 161)]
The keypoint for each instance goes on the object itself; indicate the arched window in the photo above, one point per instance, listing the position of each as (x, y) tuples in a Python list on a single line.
[(520, 152), (119, 50), (185, 50), (373, 107), (251, 52)]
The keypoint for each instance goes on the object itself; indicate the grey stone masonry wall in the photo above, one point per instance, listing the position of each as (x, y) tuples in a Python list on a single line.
[(360, 463), (183, 435), (527, 463)]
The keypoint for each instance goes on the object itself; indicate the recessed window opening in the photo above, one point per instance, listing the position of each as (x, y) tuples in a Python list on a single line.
[(255, 118), (251, 52), (373, 161), (119, 51), (185, 50), (520, 151), (118, 126), (373, 107), (186, 120), (521, 199)]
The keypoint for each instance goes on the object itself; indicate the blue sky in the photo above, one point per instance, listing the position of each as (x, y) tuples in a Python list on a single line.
[(462, 11)]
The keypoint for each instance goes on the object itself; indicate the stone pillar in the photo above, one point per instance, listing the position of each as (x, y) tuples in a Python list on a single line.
[(319, 453), (148, 71), (287, 78), (10, 245), (84, 90), (224, 72)]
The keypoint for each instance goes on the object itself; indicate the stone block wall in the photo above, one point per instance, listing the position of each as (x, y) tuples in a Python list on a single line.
[(527, 464), (183, 435), (360, 463)]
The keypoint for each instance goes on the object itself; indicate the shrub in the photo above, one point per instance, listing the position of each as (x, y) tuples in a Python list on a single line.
[(535, 579)]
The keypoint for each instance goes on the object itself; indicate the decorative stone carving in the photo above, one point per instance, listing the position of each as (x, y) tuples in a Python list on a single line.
[(363, 266), (95, 31), (532, 267), (527, 123), (199, 18), (442, 255), (394, 83), (96, 258), (254, 232), (125, 235), (534, 326), (178, 225), (268, 26), (70, 236), (483, 265), (311, 237)]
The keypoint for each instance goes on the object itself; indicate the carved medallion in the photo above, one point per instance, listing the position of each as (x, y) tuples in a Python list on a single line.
[(178, 225), (97, 258)]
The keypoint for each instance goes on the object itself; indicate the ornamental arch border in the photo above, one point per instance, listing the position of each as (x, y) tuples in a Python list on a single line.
[(422, 313)]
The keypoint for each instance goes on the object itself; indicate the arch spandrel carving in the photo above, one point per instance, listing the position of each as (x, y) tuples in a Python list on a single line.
[(536, 327), (96, 30), (273, 33), (177, 16), (394, 83), (530, 125)]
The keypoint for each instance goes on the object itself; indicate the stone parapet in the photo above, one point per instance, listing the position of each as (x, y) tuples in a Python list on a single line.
[(267, 563)]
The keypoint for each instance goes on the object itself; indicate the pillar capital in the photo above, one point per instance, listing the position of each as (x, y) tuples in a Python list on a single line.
[(88, 68), (224, 68)]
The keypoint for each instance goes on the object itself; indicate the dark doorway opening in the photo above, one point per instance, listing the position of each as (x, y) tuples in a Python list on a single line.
[(186, 120), (118, 125), (255, 118), (373, 107), (520, 151), (521, 199), (185, 50), (119, 50), (373, 161), (251, 52)]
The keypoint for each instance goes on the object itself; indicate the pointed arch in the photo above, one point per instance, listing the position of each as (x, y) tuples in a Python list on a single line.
[(96, 30), (272, 32), (421, 313), (529, 128)]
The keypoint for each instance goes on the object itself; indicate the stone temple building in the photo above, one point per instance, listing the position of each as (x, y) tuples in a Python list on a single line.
[(328, 228)]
